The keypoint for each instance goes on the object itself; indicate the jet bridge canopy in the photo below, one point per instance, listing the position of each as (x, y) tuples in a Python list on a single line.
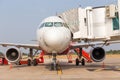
[(71, 19)]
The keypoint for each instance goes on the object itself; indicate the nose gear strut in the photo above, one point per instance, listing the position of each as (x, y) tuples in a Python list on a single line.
[(54, 64)]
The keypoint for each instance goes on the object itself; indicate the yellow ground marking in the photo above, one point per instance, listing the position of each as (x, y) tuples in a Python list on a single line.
[(59, 70)]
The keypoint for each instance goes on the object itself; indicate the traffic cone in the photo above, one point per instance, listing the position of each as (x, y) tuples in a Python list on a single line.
[(10, 67), (103, 65), (69, 58)]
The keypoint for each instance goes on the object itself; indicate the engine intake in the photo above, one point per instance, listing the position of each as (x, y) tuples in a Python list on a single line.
[(13, 55), (98, 54)]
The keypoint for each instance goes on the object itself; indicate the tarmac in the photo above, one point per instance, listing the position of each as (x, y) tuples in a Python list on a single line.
[(107, 70)]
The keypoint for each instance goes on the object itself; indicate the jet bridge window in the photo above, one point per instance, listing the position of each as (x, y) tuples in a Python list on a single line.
[(58, 24), (48, 24), (116, 22)]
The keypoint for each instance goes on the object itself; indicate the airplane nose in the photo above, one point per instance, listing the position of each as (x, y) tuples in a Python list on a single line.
[(53, 38)]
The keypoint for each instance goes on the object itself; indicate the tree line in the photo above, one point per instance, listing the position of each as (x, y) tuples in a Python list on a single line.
[(113, 52)]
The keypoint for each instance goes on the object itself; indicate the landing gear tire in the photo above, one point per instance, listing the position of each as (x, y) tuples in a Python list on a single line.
[(54, 67), (83, 62), (57, 67), (77, 62), (19, 63), (35, 62), (54, 64), (29, 62)]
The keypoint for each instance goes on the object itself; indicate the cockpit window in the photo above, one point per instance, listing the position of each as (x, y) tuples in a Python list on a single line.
[(48, 24), (42, 25), (58, 24), (55, 24)]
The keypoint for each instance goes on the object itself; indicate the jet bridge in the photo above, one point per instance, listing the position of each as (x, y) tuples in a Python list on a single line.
[(94, 23)]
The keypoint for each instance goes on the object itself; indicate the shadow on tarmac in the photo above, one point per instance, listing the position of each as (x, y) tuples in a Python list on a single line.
[(67, 66)]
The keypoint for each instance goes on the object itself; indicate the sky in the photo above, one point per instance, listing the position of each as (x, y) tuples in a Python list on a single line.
[(19, 19)]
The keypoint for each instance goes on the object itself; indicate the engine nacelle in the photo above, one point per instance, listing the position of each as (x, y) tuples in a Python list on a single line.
[(97, 54), (13, 55)]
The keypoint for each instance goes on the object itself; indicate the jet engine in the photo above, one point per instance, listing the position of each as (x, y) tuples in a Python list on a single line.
[(13, 55), (97, 54)]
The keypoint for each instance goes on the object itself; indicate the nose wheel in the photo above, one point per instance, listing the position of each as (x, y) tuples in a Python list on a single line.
[(54, 64)]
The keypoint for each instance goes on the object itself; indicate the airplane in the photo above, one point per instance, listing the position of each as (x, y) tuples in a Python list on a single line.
[(54, 38)]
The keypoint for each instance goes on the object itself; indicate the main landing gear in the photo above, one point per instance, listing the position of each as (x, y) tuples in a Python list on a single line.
[(79, 59), (32, 61)]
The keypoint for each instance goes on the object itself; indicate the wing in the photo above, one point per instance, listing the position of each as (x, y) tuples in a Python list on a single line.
[(77, 45), (34, 46)]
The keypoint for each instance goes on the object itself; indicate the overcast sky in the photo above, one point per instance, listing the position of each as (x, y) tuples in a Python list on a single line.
[(19, 19)]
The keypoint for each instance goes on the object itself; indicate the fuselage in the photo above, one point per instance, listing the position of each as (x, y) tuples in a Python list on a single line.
[(53, 35)]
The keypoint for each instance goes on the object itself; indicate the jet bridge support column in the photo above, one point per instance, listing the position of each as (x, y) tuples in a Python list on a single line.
[(119, 11), (89, 22)]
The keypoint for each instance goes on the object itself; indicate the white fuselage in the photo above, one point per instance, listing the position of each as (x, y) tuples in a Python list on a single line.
[(53, 39)]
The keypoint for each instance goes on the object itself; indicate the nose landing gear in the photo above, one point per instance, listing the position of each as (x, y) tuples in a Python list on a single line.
[(54, 64)]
